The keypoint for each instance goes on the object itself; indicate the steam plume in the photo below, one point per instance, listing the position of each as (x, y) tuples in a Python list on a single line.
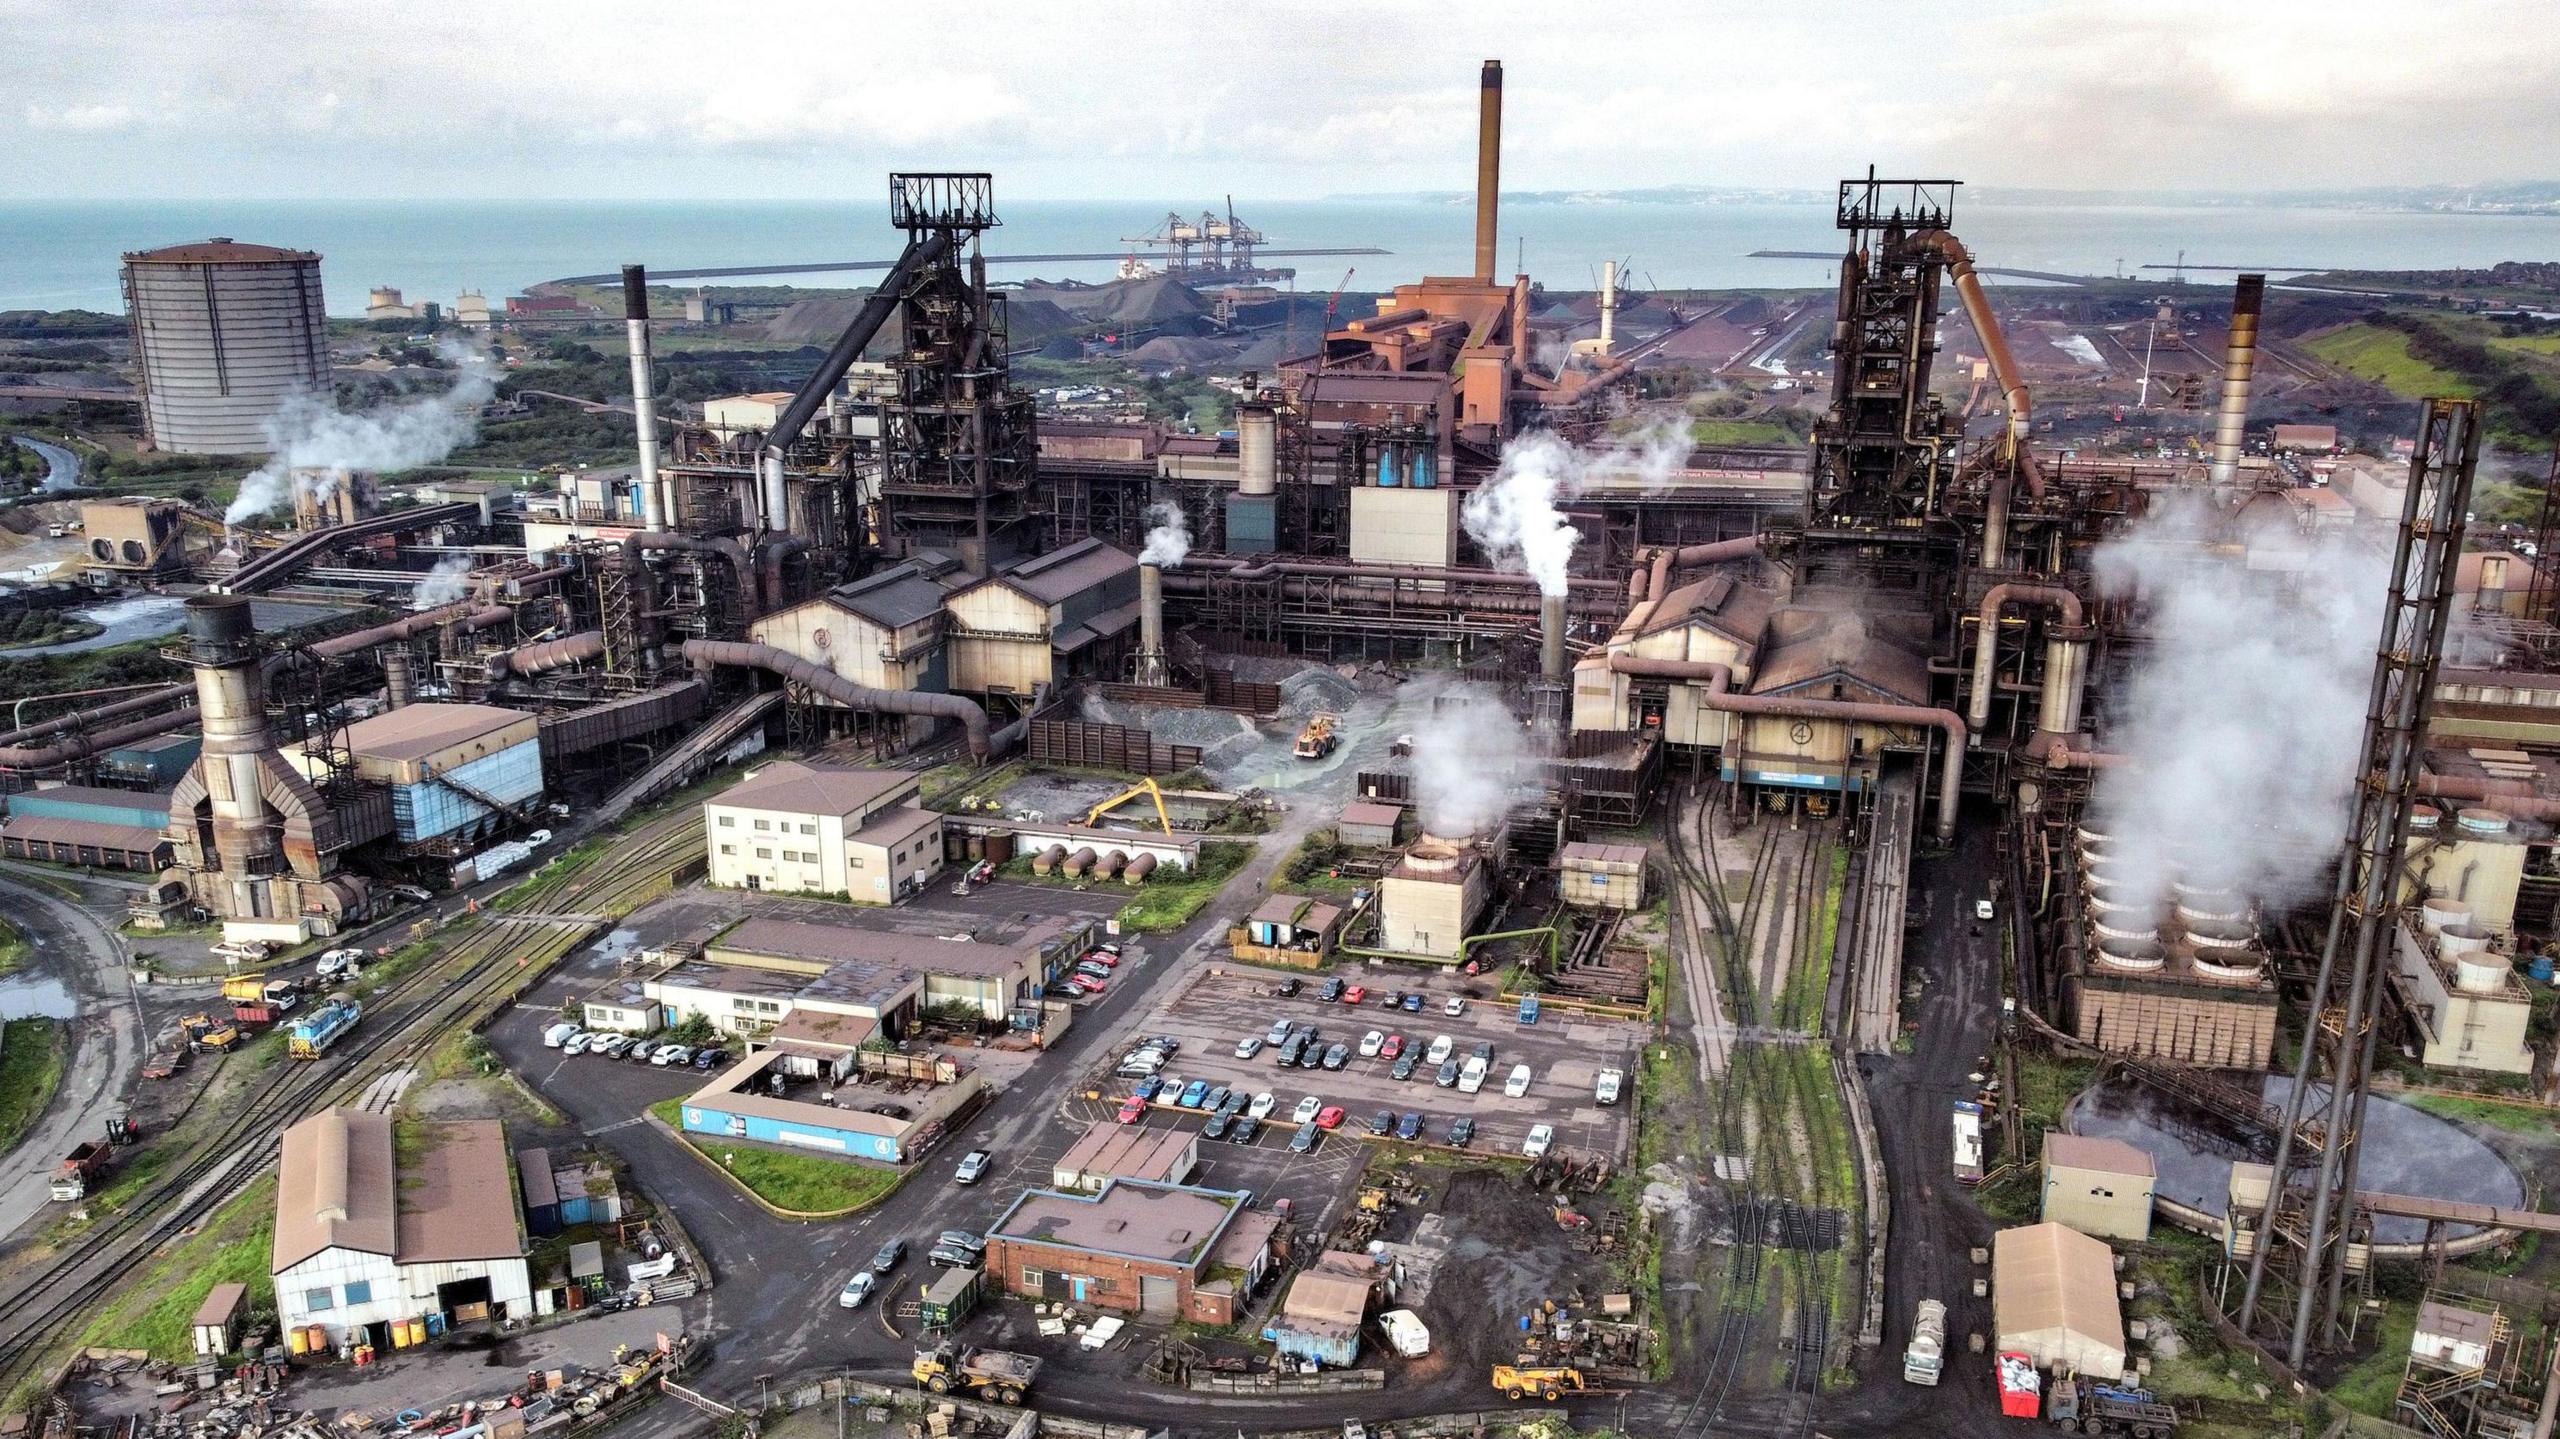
[(447, 582), (2243, 718), (1515, 515), (1467, 764), (1169, 541), (309, 433)]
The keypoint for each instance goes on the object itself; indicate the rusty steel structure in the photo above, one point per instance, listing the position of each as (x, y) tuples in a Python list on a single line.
[(2306, 1234)]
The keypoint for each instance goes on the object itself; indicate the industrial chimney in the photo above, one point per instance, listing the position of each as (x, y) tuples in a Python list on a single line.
[(1257, 448), (1488, 169), (1608, 306), (1551, 639), (2231, 420), (644, 403), (1151, 666), (398, 683), (231, 700)]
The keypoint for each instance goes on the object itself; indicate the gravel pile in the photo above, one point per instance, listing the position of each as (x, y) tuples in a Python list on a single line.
[(1308, 691)]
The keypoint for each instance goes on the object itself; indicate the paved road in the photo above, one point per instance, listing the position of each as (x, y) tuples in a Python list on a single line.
[(65, 466), (75, 947)]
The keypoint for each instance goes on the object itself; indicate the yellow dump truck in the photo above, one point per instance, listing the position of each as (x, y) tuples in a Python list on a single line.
[(1515, 1382), (994, 1374)]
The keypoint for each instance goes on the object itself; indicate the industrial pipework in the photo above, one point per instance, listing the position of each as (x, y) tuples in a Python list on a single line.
[(2239, 361), (644, 400), (2060, 713), (1488, 171), (1995, 348), (706, 654)]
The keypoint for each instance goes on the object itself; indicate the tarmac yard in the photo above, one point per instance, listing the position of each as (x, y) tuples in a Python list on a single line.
[(1216, 1007)]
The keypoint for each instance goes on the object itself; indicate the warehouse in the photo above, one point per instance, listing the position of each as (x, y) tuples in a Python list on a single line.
[(1135, 1248), (85, 842), (365, 1239), (121, 808), (2053, 1298), (1368, 824), (884, 631), (1068, 613), (2101, 1187), (1602, 876), (796, 828), (840, 1111), (1321, 1315), (1105, 1152), (450, 766)]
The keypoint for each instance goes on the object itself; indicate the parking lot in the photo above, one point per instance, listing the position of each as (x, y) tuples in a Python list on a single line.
[(1214, 1008)]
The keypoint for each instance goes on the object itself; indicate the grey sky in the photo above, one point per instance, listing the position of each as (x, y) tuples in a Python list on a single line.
[(561, 98)]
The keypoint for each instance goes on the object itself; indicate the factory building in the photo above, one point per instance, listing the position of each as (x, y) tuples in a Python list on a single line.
[(1658, 672), (835, 1098), (1368, 824), (799, 828), (763, 972), (1162, 1252), (1829, 656), (154, 763), (1428, 903), (1288, 929), (223, 332), (2181, 978), (88, 826), (2101, 1187), (1602, 876), (1322, 1313), (2053, 1298), (885, 631), (366, 1238), (1070, 612), (455, 771), (135, 536), (1107, 1152), (2457, 984)]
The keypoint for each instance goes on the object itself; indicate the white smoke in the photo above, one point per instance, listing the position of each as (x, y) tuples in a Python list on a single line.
[(1470, 762), (314, 441), (1169, 541), (1515, 515), (2242, 719), (449, 581)]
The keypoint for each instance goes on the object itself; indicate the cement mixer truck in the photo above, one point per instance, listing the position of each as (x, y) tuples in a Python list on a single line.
[(1926, 1357)]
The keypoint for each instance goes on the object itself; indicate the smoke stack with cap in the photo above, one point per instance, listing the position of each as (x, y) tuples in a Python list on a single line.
[(1151, 666), (398, 685), (1488, 169), (1551, 638), (231, 702), (1257, 448), (2231, 420), (644, 402)]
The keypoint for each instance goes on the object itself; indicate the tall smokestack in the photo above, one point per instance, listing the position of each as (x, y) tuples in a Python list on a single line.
[(1608, 306), (1488, 169), (222, 646), (1551, 638), (2232, 419), (1257, 448), (1151, 666), (644, 402), (398, 685)]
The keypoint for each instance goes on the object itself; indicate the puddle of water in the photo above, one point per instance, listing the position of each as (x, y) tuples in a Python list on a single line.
[(617, 945), (36, 997)]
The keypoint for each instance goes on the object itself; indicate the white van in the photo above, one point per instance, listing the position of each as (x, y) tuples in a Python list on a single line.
[(1605, 1088), (1471, 1075), (1518, 1084), (558, 1034)]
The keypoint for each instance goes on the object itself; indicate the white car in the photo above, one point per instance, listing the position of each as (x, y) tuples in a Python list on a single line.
[(611, 1046), (1262, 1105), (578, 1042), (1518, 1084), (338, 962), (1457, 1005), (1440, 1050), (1605, 1088), (856, 1289), (1541, 1138), (1306, 1110), (1371, 1043), (1471, 1075), (973, 1167), (538, 838), (559, 1034), (1982, 909), (670, 1054)]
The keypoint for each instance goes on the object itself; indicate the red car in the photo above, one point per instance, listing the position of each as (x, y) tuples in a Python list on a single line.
[(1392, 1048), (1329, 1117), (1105, 958), (1085, 984), (1132, 1109), (1356, 994)]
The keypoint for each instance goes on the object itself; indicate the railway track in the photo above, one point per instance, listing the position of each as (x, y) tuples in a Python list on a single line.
[(498, 953)]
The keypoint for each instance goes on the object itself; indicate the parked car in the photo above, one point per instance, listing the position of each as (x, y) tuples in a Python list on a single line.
[(1305, 1139), (1139, 1065), (411, 893), (1371, 1043), (1462, 1133), (1288, 988), (856, 1289), (1447, 1078), (643, 1051), (558, 1034), (1193, 1093), (1413, 1002), (1262, 1105), (1107, 958), (1249, 1046), (1518, 1084), (1471, 1075), (613, 1047), (1333, 990), (1393, 1047), (710, 1058), (1404, 1067), (1216, 1128), (1457, 1004), (1441, 1049), (1307, 1109), (1409, 1127), (1484, 1050), (1982, 909), (1280, 1031), (1245, 1130), (969, 1240), (949, 1257), (671, 1054), (1145, 1089), (337, 963), (1312, 1057), (1233, 1101), (1132, 1109), (578, 1042), (1085, 984), (1216, 1099), (1605, 1088), (1382, 1123), (888, 1257), (1542, 1137), (973, 1167), (1336, 1056), (1164, 1042), (1356, 994), (1291, 1049)]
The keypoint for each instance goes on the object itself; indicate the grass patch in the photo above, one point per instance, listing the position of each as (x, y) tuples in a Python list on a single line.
[(31, 1053), (1809, 979), (2517, 1118), (2382, 355), (14, 950), (2373, 1385), (804, 1182), (1743, 432), (155, 1311), (1169, 904)]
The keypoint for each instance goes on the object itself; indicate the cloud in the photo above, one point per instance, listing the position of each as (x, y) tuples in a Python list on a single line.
[(80, 117)]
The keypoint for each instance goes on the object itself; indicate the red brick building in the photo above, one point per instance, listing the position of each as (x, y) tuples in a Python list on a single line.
[(1161, 1251)]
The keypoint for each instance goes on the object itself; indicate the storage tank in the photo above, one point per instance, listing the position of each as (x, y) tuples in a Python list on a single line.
[(2435, 914), (2457, 941), (2482, 971), (2423, 819), (2131, 956), (222, 333)]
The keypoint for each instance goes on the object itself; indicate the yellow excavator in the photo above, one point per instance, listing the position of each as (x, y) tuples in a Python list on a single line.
[(1145, 787)]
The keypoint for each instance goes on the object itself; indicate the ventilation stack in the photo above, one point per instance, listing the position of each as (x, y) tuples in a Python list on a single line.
[(231, 701), (1488, 171), (1555, 675), (644, 402), (399, 684), (1253, 510), (2231, 418), (1151, 666)]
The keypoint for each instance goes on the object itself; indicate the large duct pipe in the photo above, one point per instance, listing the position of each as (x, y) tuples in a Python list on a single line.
[(1551, 627), (1257, 448), (777, 550), (180, 693), (741, 564), (1488, 171), (398, 683), (1151, 665), (644, 399), (81, 746), (1995, 347), (2231, 418), (2515, 797), (1301, 580), (1986, 643), (533, 659), (704, 654), (468, 614), (1718, 679)]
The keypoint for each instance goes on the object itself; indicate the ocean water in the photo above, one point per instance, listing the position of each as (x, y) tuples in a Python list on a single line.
[(64, 255)]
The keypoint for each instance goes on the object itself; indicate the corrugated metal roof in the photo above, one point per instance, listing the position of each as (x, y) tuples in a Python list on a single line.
[(334, 1187), (1719, 603), (533, 1170), (898, 596), (418, 730), (2096, 1153), (445, 1208), (1068, 571), (2053, 1277), (1364, 811), (1108, 1150), (1336, 1289), (790, 787), (1590, 852), (221, 1304), (221, 250), (840, 944), (1296, 910), (1842, 645), (97, 834)]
